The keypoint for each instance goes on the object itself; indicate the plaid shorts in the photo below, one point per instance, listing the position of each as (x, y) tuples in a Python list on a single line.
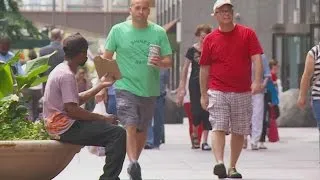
[(230, 111)]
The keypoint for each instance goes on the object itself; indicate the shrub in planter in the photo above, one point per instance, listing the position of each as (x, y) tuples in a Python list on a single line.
[(13, 111), (14, 124), (24, 145)]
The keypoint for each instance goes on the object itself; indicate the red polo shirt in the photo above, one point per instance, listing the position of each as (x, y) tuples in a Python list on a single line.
[(229, 56)]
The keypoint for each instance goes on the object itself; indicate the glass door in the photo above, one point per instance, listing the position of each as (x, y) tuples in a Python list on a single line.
[(315, 34), (290, 51)]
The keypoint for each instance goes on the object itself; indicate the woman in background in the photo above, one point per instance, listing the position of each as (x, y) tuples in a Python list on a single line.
[(311, 75), (83, 84), (199, 116), (187, 109)]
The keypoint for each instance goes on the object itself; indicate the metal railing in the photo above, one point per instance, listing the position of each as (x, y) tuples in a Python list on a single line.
[(75, 5)]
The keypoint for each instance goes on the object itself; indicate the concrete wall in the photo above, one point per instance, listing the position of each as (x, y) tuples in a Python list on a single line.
[(260, 15), (193, 13)]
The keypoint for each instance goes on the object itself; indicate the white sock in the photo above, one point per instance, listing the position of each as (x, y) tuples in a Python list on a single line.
[(220, 162), (133, 161)]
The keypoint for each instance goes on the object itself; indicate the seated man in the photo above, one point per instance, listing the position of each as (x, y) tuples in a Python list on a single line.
[(6, 55), (66, 121)]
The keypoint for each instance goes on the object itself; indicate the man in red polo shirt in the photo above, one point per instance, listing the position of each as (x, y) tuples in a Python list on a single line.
[(226, 85)]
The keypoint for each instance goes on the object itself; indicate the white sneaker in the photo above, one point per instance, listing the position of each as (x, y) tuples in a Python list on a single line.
[(262, 146)]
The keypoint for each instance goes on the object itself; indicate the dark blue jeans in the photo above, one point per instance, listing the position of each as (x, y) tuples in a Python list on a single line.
[(316, 111), (111, 105), (156, 133)]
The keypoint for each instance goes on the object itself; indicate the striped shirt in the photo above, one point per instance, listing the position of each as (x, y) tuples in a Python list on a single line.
[(315, 53)]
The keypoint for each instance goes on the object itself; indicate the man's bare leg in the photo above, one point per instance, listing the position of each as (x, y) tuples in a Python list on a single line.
[(236, 148), (132, 143), (141, 141), (218, 142), (134, 169)]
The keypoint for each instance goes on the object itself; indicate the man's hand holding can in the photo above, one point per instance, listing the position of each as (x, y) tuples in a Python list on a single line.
[(154, 56), (155, 61)]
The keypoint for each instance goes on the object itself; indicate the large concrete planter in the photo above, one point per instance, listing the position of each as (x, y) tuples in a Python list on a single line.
[(291, 115), (34, 159)]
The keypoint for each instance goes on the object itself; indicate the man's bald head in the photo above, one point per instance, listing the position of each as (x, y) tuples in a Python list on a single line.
[(56, 34), (140, 11), (133, 2)]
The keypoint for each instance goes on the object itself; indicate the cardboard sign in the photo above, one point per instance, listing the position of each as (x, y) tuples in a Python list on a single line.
[(104, 66)]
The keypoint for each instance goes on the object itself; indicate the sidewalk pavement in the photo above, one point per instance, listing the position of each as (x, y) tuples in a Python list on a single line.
[(295, 157)]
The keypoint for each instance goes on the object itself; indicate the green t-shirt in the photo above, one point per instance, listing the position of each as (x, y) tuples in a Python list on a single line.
[(132, 48)]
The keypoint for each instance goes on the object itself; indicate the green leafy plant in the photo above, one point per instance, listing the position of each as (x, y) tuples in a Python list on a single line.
[(14, 124), (32, 77), (6, 82), (33, 73), (13, 112)]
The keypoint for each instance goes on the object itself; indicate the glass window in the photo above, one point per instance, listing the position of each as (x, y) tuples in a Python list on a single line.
[(280, 9), (278, 55), (294, 45), (316, 35), (178, 8), (290, 52), (174, 11)]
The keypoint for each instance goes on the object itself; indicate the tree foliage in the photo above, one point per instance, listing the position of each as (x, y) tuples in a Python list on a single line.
[(14, 25)]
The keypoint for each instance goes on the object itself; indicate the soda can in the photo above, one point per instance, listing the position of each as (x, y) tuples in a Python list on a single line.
[(154, 50)]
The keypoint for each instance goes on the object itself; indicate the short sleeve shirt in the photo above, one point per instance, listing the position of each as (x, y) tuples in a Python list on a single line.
[(61, 88), (315, 90), (193, 55), (229, 56), (132, 48)]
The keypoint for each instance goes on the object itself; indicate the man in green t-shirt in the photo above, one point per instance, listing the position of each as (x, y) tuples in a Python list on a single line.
[(139, 86)]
